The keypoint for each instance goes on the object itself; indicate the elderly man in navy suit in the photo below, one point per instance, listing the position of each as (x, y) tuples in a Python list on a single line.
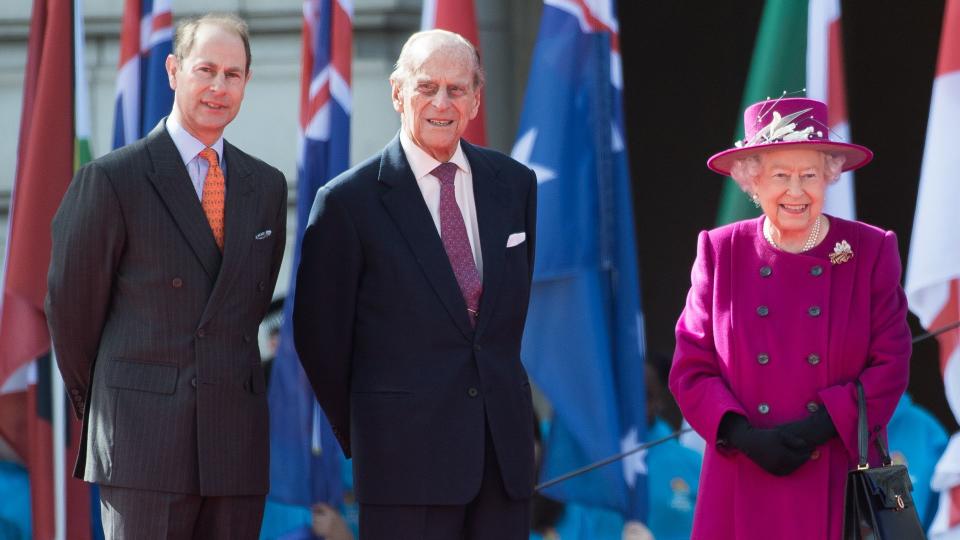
[(411, 299)]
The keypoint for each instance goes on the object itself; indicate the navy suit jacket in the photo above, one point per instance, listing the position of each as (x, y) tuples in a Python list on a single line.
[(382, 331)]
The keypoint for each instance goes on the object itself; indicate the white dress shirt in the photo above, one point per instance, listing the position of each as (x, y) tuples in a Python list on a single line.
[(422, 163), (190, 148)]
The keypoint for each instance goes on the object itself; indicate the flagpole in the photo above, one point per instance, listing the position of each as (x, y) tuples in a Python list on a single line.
[(59, 422)]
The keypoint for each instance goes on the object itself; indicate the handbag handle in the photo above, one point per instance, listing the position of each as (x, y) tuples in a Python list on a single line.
[(863, 434)]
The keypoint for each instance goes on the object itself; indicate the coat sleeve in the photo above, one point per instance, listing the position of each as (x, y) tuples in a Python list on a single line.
[(324, 307), (88, 240), (887, 369), (696, 379)]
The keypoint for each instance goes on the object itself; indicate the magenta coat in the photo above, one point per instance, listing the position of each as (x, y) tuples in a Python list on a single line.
[(773, 336)]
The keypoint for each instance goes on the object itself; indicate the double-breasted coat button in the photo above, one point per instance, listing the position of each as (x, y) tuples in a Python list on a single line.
[(247, 338), (477, 348), (201, 333), (816, 270), (815, 454), (813, 407), (176, 283), (763, 359), (814, 311), (261, 286), (765, 271), (193, 382), (75, 391), (763, 408), (473, 392), (763, 311), (813, 359)]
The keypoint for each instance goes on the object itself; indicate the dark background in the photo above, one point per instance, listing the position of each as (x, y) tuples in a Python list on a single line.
[(685, 64)]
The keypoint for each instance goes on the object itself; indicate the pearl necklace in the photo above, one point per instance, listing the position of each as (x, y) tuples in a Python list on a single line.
[(807, 246)]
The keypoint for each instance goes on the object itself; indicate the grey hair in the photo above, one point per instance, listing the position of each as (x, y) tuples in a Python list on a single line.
[(442, 40), (186, 33), (746, 171)]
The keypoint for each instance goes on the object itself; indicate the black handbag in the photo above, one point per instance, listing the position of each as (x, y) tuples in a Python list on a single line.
[(877, 504)]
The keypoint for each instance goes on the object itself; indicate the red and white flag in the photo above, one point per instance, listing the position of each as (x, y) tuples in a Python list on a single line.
[(825, 82), (458, 16), (933, 267)]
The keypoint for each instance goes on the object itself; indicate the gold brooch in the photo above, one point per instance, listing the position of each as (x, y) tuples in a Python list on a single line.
[(842, 253)]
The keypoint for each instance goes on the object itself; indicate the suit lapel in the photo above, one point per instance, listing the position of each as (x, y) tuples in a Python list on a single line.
[(492, 221), (170, 179), (406, 206), (239, 224)]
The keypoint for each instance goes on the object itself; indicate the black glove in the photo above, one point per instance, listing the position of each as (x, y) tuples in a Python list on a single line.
[(815, 429), (775, 450)]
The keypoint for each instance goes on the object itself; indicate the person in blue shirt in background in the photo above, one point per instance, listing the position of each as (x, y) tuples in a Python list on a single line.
[(917, 440), (14, 501), (673, 477)]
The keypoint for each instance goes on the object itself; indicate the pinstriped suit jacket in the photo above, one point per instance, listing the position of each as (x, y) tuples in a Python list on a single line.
[(155, 331)]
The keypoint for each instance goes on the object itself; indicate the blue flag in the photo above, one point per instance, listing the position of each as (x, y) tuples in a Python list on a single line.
[(143, 91), (584, 344), (304, 455)]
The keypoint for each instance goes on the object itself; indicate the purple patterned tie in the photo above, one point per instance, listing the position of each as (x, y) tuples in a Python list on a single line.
[(453, 233)]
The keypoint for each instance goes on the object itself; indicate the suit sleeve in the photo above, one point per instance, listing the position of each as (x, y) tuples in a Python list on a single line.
[(280, 226), (887, 368), (324, 306), (88, 240), (695, 377)]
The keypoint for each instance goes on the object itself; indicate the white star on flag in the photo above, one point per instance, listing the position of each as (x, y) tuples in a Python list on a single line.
[(635, 464), (522, 151)]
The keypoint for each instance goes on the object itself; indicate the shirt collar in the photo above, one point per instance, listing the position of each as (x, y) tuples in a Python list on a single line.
[(422, 163), (187, 144)]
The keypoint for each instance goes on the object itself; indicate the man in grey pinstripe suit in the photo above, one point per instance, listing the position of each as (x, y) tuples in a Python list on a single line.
[(154, 325)]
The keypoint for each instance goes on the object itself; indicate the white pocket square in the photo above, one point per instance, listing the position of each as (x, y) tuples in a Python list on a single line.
[(516, 239), (263, 234)]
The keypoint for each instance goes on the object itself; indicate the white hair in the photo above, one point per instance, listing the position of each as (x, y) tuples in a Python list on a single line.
[(746, 171), (435, 40)]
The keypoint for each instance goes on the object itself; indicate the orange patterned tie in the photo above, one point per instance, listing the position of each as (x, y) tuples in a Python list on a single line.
[(214, 191)]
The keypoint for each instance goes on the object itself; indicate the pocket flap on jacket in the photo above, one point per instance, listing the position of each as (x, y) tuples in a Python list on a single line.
[(142, 376)]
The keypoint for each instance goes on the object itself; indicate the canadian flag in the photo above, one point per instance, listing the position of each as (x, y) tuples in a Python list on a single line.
[(933, 269), (458, 16)]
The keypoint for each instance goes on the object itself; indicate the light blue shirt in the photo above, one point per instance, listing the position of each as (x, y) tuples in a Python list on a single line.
[(190, 148)]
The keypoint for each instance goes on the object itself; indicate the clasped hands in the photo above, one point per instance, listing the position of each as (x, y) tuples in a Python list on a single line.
[(782, 449)]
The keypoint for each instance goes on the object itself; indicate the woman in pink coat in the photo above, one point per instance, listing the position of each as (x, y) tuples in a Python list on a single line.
[(785, 312)]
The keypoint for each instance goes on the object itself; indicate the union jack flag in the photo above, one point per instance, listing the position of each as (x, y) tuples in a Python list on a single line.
[(143, 93), (305, 458)]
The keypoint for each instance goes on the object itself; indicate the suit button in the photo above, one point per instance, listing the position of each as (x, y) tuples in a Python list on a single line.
[(477, 348), (763, 359), (815, 454), (765, 271), (176, 283), (763, 311), (813, 407), (201, 333), (813, 359), (247, 338), (473, 392), (193, 382), (816, 270), (75, 391), (763, 408), (261, 286), (814, 311)]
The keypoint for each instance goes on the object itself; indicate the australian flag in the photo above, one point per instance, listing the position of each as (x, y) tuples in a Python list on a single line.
[(304, 455), (143, 92), (584, 342)]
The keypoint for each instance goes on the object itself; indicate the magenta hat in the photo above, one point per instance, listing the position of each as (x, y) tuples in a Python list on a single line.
[(788, 123)]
